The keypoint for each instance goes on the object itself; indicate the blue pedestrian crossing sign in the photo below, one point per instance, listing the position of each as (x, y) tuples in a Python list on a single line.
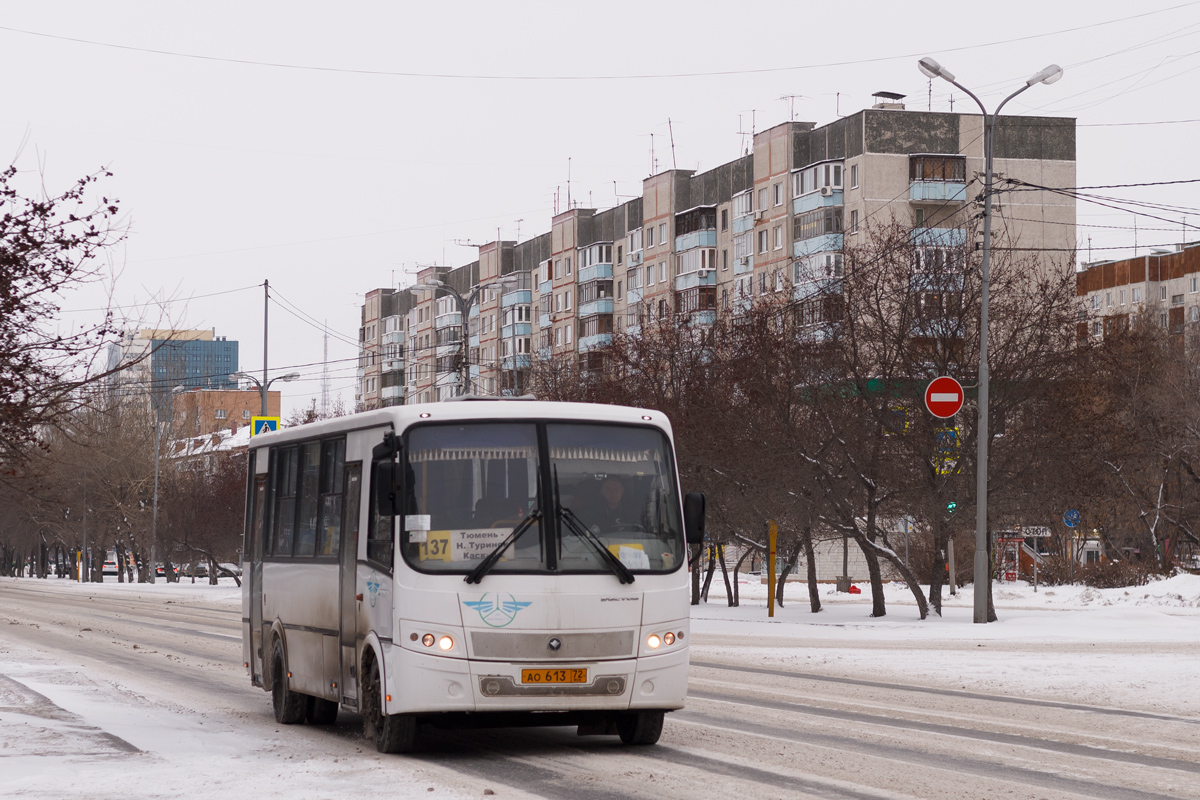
[(263, 425)]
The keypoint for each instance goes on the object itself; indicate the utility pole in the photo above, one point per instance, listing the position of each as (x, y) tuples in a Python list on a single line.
[(263, 386)]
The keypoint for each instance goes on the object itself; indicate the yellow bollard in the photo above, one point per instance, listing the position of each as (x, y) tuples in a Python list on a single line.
[(772, 533)]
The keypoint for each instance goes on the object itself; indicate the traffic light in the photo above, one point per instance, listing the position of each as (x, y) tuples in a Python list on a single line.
[(951, 506)]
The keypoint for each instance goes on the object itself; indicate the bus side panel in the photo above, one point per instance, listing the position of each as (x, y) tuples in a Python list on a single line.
[(304, 598)]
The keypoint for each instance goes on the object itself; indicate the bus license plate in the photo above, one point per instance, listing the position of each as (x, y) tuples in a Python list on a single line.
[(554, 676)]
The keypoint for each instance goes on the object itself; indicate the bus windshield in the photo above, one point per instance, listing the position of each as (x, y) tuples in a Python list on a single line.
[(471, 485)]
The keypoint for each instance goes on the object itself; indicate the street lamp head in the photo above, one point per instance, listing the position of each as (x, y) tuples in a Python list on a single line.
[(932, 69), (291, 376), (1047, 76), (178, 389)]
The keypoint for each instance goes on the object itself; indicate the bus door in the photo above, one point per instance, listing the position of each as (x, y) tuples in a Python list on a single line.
[(254, 575), (349, 586)]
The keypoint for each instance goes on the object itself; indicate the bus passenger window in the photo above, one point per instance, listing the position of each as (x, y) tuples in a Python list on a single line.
[(333, 456), (306, 527), (285, 501)]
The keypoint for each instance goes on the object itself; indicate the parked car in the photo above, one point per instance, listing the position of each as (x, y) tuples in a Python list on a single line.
[(229, 570)]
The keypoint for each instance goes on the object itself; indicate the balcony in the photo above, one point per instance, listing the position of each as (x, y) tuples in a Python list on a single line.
[(937, 192), (391, 392), (522, 362), (704, 277), (818, 244), (545, 288), (702, 238), (938, 237), (395, 337), (814, 200), (633, 297), (634, 259), (520, 297), (516, 329), (743, 223), (741, 267), (447, 320), (598, 340), (544, 321), (594, 272), (602, 306)]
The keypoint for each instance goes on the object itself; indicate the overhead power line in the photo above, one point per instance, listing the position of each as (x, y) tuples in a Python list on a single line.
[(642, 76)]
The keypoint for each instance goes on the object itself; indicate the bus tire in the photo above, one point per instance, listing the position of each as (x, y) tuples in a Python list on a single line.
[(393, 733), (640, 727), (319, 711), (289, 706)]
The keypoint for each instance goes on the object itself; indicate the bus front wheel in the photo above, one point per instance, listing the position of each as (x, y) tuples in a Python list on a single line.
[(289, 706), (640, 727), (393, 733)]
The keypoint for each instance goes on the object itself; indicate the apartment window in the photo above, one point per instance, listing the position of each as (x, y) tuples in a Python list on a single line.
[(725, 299), (662, 233), (635, 240), (1121, 297), (762, 283), (649, 274), (220, 413), (662, 272), (620, 260), (743, 245), (557, 337), (919, 217), (778, 194), (1162, 293), (1194, 314), (567, 264), (557, 303), (567, 334), (1194, 285), (1096, 328), (633, 277), (1176, 299), (762, 241), (742, 204), (557, 268), (1095, 302), (778, 280), (618, 290), (567, 300), (762, 199), (725, 219), (1108, 299), (777, 237), (854, 221), (1162, 320), (649, 236), (246, 414), (938, 168), (854, 176), (724, 260), (1137, 296), (818, 222)]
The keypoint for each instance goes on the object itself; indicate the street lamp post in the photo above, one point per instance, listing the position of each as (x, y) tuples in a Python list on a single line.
[(263, 387), (157, 454), (1050, 74), (464, 309)]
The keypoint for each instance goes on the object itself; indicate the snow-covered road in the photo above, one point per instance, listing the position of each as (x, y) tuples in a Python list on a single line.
[(133, 691)]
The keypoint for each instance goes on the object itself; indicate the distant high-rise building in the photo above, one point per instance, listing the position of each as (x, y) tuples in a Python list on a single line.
[(160, 360)]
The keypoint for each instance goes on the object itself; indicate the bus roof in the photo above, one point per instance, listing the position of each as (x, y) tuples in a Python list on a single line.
[(401, 417)]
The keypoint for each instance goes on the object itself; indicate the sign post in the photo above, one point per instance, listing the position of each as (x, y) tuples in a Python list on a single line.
[(772, 535), (943, 397)]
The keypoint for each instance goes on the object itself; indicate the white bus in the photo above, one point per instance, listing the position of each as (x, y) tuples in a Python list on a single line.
[(496, 563)]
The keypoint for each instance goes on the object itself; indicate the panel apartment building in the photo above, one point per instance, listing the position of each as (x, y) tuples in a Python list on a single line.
[(1163, 285), (774, 220)]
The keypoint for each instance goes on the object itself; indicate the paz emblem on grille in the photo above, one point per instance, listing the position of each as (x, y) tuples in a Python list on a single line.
[(554, 643)]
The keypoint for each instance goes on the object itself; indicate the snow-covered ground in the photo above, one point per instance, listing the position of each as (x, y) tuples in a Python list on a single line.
[(1136, 647), (71, 715)]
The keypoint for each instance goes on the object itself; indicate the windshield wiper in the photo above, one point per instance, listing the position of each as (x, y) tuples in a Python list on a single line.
[(476, 575), (579, 529)]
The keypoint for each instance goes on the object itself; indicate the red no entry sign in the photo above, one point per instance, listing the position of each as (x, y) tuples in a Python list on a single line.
[(944, 397)]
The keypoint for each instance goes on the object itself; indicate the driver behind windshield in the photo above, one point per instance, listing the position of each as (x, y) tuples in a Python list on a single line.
[(609, 510)]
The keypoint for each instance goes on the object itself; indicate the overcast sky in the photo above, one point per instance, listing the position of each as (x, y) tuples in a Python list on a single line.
[(332, 147)]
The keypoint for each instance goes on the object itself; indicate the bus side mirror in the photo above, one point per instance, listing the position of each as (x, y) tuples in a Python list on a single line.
[(384, 485), (693, 517)]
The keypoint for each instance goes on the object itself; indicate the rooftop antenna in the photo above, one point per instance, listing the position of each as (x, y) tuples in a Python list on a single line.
[(653, 160), (522, 219), (745, 149), (671, 131), (568, 183), (791, 101)]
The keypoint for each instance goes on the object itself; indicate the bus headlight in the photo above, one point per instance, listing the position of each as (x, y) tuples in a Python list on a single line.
[(669, 637), (653, 641), (445, 643), (427, 640)]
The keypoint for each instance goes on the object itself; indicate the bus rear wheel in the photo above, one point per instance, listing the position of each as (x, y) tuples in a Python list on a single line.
[(393, 733), (289, 705), (640, 727)]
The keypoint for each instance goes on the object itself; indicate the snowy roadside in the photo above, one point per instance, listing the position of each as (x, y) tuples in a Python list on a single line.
[(1133, 648)]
